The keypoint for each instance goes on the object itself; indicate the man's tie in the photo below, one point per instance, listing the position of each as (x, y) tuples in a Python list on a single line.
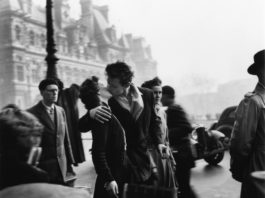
[(51, 113)]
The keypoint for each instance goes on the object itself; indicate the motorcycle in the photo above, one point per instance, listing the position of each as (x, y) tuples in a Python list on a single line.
[(209, 145)]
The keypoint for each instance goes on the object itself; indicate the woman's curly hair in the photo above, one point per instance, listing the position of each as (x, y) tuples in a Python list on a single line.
[(89, 91)]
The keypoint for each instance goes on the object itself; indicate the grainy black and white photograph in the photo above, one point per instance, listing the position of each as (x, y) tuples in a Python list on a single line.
[(132, 98)]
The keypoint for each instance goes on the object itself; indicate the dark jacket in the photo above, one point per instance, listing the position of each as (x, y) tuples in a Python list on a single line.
[(108, 152), (56, 148), (179, 129), (178, 125), (141, 134), (248, 140)]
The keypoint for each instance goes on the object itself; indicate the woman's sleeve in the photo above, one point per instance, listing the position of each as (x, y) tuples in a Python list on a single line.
[(99, 146), (85, 123)]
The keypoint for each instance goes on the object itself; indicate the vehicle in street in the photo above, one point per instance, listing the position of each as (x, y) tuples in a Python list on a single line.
[(209, 145), (225, 122)]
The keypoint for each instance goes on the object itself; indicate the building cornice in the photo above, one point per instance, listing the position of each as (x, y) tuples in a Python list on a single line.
[(26, 17)]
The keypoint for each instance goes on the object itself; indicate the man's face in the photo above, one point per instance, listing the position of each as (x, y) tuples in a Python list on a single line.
[(50, 94), (157, 90), (115, 87)]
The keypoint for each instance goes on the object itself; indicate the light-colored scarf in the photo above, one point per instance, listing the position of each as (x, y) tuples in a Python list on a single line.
[(133, 102), (137, 104)]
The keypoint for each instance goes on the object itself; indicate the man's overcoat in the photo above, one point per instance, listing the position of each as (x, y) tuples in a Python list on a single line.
[(56, 148)]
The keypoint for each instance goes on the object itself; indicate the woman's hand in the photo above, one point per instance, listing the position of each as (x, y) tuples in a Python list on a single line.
[(112, 188), (164, 151)]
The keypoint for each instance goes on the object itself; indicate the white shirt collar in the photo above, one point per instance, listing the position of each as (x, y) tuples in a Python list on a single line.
[(48, 108)]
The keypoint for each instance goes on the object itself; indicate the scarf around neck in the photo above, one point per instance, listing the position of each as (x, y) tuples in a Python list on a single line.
[(133, 102)]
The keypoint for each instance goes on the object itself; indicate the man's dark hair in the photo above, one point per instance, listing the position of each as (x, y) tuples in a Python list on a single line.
[(49, 81), (169, 91), (120, 70), (151, 83)]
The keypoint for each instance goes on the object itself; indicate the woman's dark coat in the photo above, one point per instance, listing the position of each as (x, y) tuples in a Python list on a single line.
[(108, 154)]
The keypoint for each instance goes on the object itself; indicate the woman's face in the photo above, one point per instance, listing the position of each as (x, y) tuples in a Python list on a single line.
[(157, 90)]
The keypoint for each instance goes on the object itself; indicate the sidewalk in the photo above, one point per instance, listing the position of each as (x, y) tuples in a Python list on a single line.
[(86, 175)]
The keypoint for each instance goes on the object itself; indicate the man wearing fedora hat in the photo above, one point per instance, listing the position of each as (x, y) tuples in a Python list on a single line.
[(248, 137)]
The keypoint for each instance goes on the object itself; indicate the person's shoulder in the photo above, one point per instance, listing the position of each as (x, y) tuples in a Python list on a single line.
[(254, 98), (175, 107), (249, 95), (59, 108), (34, 107)]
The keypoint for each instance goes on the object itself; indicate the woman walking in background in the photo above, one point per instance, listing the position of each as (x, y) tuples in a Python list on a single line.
[(164, 165)]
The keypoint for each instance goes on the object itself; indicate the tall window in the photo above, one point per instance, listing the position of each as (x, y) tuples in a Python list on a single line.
[(18, 32), (42, 40), (20, 73), (35, 78), (31, 38)]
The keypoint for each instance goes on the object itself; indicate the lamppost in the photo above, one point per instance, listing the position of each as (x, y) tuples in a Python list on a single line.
[(51, 58)]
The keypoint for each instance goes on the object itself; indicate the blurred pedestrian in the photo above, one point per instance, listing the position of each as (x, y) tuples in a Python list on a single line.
[(56, 148), (20, 137), (248, 137), (108, 146), (166, 177), (179, 129)]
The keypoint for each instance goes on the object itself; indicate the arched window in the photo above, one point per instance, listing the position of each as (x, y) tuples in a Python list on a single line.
[(31, 38), (18, 32)]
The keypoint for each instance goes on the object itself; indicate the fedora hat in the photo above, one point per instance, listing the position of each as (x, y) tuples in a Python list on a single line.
[(259, 61)]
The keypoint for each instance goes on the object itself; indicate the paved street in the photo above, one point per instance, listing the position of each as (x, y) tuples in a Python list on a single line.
[(215, 181), (208, 181)]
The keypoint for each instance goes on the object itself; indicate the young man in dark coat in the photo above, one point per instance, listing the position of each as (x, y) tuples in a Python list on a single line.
[(179, 129), (56, 148)]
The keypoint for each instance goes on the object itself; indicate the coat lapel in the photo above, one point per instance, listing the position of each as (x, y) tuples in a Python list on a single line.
[(57, 118), (44, 117)]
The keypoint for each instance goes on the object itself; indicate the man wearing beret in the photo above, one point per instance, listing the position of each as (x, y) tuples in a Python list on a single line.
[(248, 137), (56, 149)]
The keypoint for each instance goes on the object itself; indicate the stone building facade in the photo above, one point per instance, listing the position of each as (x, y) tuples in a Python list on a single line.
[(84, 47)]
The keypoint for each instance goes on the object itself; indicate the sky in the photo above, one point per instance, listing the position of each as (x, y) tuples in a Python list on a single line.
[(197, 44)]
